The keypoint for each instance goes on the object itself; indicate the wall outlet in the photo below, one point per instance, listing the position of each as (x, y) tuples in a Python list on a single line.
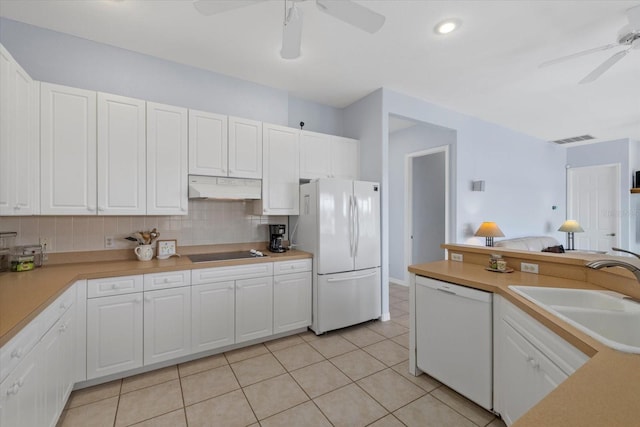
[(46, 247), (108, 242), (529, 267), (456, 257)]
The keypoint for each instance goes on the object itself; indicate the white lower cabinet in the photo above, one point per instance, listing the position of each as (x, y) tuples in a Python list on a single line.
[(529, 361), (167, 324), (291, 296), (254, 308), (21, 394), (114, 334), (212, 315)]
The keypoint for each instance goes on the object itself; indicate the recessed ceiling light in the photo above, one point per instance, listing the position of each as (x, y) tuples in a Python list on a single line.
[(447, 26)]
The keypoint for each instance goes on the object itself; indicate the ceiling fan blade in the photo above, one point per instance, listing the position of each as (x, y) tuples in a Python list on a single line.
[(600, 70), (578, 54), (212, 7), (352, 13), (633, 15), (292, 34)]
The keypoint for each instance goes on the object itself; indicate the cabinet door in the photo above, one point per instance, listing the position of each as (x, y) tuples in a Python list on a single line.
[(525, 375), (245, 148), (167, 324), (166, 160), (291, 302), (121, 155), (207, 143), (280, 171), (345, 158), (254, 308), (68, 150), (114, 334), (212, 316), (20, 393), (19, 144), (315, 155), (57, 363)]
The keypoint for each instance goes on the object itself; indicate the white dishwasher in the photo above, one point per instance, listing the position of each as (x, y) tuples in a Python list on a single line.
[(454, 337)]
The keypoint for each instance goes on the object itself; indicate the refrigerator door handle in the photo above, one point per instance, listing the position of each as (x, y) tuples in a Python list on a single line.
[(351, 232), (364, 276), (356, 222)]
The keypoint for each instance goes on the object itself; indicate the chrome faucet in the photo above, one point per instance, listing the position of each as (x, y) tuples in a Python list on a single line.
[(626, 252), (597, 265)]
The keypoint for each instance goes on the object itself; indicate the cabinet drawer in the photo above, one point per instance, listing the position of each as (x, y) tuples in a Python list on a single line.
[(172, 279), (51, 314), (297, 266), (13, 352), (114, 286), (219, 274)]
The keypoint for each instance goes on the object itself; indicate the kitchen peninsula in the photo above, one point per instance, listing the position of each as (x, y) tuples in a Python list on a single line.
[(601, 392)]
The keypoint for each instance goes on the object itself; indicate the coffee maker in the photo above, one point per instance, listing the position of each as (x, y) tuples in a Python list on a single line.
[(277, 231)]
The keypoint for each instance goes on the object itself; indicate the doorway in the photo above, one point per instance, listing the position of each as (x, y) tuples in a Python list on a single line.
[(427, 205), (593, 199)]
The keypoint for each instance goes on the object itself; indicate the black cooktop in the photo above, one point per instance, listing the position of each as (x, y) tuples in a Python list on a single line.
[(222, 256)]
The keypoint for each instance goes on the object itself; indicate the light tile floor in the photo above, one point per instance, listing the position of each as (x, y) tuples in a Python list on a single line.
[(353, 377)]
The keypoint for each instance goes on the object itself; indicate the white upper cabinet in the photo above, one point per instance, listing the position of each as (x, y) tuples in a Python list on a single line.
[(245, 148), (121, 155), (345, 158), (315, 155), (224, 146), (68, 150), (19, 145), (280, 171), (326, 156), (207, 143), (167, 164)]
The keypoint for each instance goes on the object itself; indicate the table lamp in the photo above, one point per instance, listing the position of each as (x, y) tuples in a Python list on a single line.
[(489, 230), (570, 226)]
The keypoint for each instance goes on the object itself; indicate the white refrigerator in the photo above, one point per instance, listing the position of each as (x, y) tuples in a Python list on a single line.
[(339, 223)]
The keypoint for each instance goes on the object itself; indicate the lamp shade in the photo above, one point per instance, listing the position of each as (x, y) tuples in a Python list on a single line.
[(571, 225), (489, 229)]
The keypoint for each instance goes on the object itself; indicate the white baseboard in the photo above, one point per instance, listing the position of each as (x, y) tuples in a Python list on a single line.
[(398, 281), (385, 317)]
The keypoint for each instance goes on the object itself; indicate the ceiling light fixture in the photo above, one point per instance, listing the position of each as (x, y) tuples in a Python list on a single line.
[(447, 26)]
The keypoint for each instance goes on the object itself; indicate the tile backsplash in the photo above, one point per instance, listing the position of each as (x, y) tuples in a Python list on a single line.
[(209, 222)]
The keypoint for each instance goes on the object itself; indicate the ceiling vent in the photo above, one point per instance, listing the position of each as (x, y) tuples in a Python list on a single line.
[(574, 139)]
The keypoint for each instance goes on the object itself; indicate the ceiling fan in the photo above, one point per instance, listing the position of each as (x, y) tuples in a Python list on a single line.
[(628, 36), (344, 10)]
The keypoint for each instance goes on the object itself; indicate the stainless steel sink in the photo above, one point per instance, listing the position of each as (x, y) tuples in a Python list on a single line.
[(603, 315), (223, 256)]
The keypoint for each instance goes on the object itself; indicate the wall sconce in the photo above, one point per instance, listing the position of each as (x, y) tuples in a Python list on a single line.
[(477, 185), (489, 230), (570, 226)]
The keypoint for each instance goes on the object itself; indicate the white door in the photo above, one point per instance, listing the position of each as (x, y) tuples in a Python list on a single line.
[(68, 150), (19, 139), (593, 195), (207, 143), (121, 155), (245, 148), (291, 302), (21, 393), (336, 228), (367, 224), (212, 315), (315, 155), (345, 158), (167, 324), (254, 308), (167, 165), (114, 334), (280, 171)]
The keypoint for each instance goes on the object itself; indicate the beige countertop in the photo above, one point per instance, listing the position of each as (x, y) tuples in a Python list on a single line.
[(24, 295), (603, 392)]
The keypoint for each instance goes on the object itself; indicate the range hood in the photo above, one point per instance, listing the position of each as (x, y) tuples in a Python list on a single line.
[(212, 187)]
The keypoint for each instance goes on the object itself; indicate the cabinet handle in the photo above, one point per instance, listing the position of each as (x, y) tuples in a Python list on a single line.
[(101, 208), (166, 280), (183, 209), (16, 207), (138, 300), (17, 353), (147, 299), (91, 208), (114, 286), (62, 328), (13, 389), (230, 287)]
